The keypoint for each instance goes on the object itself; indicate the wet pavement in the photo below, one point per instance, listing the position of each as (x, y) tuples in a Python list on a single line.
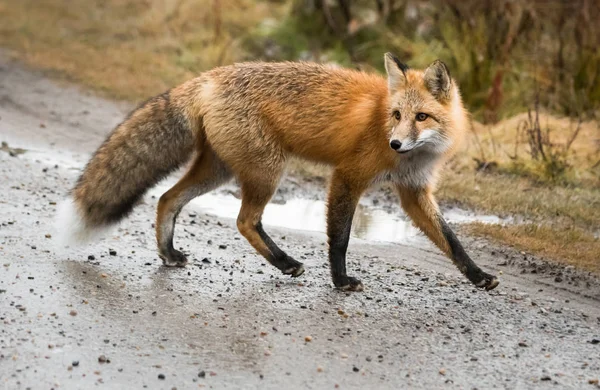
[(109, 315)]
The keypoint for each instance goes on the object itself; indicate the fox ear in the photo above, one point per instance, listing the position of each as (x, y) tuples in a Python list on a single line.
[(438, 81), (395, 71)]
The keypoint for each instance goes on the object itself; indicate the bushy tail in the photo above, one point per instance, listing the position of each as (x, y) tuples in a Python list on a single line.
[(156, 138)]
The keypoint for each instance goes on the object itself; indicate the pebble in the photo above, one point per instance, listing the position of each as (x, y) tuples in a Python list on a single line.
[(103, 359), (308, 339), (442, 371), (73, 313), (112, 252), (161, 376), (75, 363), (355, 369), (201, 374)]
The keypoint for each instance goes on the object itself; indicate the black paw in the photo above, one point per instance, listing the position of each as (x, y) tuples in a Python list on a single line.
[(173, 258), (348, 283), (484, 280), (292, 267)]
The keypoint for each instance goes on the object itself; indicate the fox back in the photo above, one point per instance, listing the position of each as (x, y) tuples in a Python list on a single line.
[(331, 115)]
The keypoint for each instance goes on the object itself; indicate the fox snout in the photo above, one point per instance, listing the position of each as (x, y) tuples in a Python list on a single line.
[(400, 146), (395, 144), (403, 146), (430, 140)]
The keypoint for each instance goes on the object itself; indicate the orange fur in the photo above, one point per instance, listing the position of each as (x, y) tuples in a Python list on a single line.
[(246, 120)]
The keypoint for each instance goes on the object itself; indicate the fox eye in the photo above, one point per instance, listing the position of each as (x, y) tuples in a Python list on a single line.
[(421, 117), (397, 115)]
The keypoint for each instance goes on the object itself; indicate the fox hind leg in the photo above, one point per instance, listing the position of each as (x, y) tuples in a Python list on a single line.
[(207, 173), (255, 196)]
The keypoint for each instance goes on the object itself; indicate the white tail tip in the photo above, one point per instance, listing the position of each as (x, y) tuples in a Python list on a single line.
[(71, 228)]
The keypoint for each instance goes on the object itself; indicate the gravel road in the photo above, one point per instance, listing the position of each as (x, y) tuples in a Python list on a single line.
[(109, 315)]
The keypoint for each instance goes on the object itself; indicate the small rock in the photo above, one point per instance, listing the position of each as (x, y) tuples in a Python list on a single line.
[(546, 378), (73, 313), (75, 363), (593, 381), (201, 374), (308, 339), (102, 359), (355, 369), (161, 376), (442, 371), (222, 246), (112, 252), (91, 257), (522, 344), (595, 341)]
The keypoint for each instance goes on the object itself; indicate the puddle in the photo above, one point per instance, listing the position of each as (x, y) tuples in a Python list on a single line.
[(370, 223)]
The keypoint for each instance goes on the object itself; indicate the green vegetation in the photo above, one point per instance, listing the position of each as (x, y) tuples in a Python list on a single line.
[(502, 53)]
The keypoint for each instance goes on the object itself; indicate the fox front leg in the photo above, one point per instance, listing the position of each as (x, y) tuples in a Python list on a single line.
[(420, 205), (343, 198)]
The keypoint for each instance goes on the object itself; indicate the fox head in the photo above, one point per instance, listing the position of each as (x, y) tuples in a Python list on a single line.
[(426, 114)]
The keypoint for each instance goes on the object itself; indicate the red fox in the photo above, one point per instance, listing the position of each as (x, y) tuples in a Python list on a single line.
[(246, 119)]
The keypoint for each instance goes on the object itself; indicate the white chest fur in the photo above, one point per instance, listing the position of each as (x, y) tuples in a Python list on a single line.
[(415, 170)]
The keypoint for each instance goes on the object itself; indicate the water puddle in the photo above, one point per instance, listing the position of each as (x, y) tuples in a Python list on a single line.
[(370, 223)]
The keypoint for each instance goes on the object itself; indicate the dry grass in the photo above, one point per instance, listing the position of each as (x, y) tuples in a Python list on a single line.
[(569, 246), (506, 144), (510, 194), (129, 49), (560, 219)]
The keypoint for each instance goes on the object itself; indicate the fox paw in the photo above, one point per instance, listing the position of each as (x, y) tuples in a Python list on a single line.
[(173, 258), (487, 281), (348, 283), (292, 267)]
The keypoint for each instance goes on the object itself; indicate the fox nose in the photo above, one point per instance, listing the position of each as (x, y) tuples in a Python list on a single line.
[(395, 144)]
